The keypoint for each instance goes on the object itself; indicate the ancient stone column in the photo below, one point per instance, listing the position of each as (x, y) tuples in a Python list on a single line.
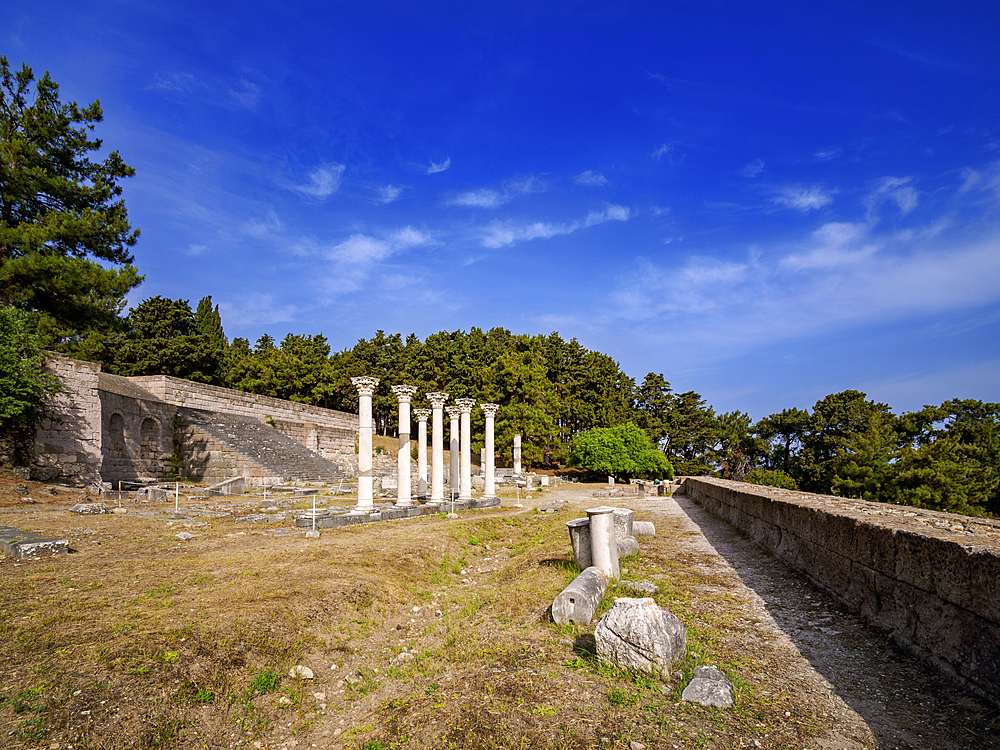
[(603, 543), (437, 446), (403, 393), (453, 439), (517, 455), (490, 491), (465, 407), (422, 415), (366, 499)]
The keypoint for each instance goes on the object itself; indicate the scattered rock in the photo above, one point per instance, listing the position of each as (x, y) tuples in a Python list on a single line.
[(353, 679), (640, 587), (89, 509), (185, 536), (301, 672), (637, 634), (285, 700), (709, 688), (633, 745)]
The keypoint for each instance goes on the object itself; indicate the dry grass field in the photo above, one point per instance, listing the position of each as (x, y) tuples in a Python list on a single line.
[(424, 633)]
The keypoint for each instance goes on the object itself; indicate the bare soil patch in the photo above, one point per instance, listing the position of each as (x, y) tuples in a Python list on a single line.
[(427, 633)]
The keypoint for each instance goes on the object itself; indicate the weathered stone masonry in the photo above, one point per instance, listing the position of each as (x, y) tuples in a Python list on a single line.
[(325, 431), (69, 447), (932, 580), (112, 428)]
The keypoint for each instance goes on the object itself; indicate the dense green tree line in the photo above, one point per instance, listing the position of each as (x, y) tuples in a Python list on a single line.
[(548, 389)]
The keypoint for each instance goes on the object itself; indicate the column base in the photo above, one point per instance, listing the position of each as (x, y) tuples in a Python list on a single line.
[(404, 503)]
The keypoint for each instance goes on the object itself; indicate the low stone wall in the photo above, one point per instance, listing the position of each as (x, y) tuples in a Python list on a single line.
[(205, 459), (932, 580), (325, 431), (68, 448)]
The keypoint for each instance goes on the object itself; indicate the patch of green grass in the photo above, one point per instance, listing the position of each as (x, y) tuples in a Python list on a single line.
[(263, 682)]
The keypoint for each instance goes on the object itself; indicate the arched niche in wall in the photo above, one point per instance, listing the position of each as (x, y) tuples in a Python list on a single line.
[(116, 436)]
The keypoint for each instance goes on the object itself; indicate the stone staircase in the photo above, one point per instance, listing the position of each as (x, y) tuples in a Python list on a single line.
[(263, 445)]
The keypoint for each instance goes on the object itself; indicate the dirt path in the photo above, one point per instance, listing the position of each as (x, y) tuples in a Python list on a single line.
[(848, 675)]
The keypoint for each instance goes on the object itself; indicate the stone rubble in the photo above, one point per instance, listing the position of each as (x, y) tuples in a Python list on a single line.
[(709, 687), (639, 635)]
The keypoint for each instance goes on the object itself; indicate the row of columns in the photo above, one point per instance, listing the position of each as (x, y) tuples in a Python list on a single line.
[(461, 446)]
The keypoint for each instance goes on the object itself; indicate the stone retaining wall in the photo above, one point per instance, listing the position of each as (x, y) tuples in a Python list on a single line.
[(137, 432), (205, 459), (68, 448), (932, 580), (325, 431)]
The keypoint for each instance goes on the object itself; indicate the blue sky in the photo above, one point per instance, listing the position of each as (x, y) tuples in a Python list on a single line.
[(766, 204)]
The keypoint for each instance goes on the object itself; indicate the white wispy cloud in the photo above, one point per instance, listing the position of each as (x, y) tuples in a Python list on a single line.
[(834, 244), (482, 198), (494, 198), (608, 213), (389, 193), (591, 178), (322, 181), (754, 168), (663, 150), (254, 309), (354, 259), (436, 167), (828, 154), (195, 250), (245, 93), (840, 276), (502, 233), (178, 82), (803, 198), (262, 227), (895, 189)]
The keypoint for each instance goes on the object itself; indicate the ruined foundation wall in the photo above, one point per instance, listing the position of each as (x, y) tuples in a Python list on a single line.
[(325, 431), (930, 579), (205, 459), (68, 448)]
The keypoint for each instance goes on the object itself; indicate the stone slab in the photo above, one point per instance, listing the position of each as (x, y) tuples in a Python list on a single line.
[(21, 544), (486, 502)]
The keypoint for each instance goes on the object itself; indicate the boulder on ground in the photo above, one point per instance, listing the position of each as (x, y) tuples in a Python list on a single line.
[(637, 634), (710, 687), (90, 509)]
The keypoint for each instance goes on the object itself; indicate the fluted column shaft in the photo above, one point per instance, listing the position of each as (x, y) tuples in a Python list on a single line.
[(366, 498), (437, 445), (422, 415), (489, 412), (403, 496), (465, 406), (454, 445)]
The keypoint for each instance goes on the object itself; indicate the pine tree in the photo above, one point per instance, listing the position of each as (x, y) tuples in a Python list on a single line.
[(62, 219)]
